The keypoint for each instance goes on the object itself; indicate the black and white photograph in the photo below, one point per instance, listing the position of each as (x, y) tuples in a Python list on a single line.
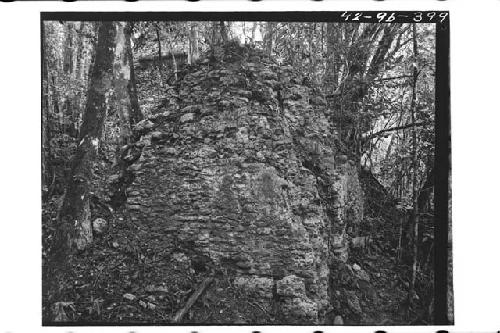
[(216, 166), (245, 170)]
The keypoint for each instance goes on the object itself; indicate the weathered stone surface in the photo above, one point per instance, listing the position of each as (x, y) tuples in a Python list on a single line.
[(144, 124), (187, 117), (318, 100), (157, 289), (259, 286), (134, 167), (134, 207), (157, 135), (147, 305), (342, 159), (181, 258), (291, 286), (362, 275), (353, 302), (130, 297), (170, 151), (114, 178), (299, 310), (250, 181)]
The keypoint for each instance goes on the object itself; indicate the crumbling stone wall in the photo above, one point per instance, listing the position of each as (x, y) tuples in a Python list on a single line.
[(240, 166)]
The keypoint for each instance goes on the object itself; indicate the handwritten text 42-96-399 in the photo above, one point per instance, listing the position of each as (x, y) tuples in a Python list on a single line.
[(387, 17)]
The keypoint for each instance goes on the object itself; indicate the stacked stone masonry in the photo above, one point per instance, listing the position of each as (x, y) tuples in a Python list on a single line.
[(240, 165)]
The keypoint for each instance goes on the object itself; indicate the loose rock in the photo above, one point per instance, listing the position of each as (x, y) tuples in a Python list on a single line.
[(353, 302), (258, 286), (130, 297), (290, 286), (99, 225), (187, 117)]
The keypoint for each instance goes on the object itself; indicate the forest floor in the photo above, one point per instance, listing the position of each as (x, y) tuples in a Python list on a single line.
[(130, 276), (384, 299), (127, 276)]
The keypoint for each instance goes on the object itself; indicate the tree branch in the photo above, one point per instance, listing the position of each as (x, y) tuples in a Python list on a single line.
[(423, 123), (393, 78), (180, 314)]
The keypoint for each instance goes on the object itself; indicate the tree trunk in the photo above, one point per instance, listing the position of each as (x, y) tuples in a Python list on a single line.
[(190, 49), (68, 49), (75, 48), (80, 53), (74, 103), (79, 69), (55, 102), (426, 190), (160, 63), (268, 38), (245, 38), (330, 71), (174, 63), (46, 135), (223, 32), (214, 40), (121, 72), (312, 51), (72, 49), (135, 112), (74, 222), (193, 53), (383, 47), (254, 28), (415, 170)]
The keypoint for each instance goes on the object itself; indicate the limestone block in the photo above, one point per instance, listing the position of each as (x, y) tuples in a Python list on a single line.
[(299, 310), (258, 286), (353, 302), (99, 225), (291, 286), (187, 117)]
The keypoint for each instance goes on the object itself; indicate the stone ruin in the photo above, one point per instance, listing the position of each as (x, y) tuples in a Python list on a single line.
[(240, 165)]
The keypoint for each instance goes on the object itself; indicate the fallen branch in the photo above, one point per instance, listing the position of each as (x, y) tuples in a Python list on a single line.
[(180, 314)]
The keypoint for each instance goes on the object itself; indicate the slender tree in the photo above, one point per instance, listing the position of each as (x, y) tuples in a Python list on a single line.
[(268, 37), (194, 52), (46, 133), (121, 70), (68, 48), (254, 28), (79, 56), (74, 220), (415, 213), (332, 59), (223, 31), (80, 50), (135, 112), (426, 189), (312, 50), (160, 61), (171, 52)]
